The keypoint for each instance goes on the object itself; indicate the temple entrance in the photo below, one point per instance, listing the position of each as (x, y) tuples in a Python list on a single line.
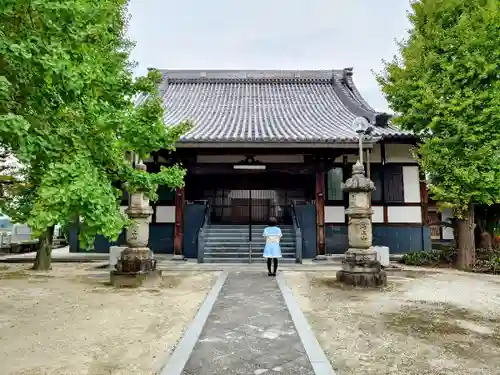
[(249, 199), (244, 206)]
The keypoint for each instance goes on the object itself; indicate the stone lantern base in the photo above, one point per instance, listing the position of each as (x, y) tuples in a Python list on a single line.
[(136, 267), (361, 268)]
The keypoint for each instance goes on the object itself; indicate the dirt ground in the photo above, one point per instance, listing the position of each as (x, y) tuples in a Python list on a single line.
[(423, 323), (70, 321)]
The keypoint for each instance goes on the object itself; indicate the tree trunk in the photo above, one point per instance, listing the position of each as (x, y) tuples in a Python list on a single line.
[(43, 255), (466, 241)]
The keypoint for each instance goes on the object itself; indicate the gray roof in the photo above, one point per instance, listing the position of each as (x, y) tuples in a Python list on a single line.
[(269, 106)]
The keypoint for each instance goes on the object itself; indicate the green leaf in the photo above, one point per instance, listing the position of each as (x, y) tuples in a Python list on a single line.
[(67, 114), (445, 87)]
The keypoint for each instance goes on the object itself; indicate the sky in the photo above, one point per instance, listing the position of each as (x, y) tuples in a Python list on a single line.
[(270, 34)]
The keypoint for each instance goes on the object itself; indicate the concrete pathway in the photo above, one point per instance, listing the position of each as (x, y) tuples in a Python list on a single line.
[(248, 325)]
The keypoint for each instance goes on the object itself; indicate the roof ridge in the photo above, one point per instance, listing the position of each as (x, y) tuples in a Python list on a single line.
[(250, 74)]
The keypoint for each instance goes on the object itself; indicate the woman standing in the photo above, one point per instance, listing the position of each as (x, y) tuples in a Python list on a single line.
[(272, 250)]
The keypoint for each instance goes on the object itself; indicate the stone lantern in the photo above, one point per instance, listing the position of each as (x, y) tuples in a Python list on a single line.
[(360, 266), (137, 264)]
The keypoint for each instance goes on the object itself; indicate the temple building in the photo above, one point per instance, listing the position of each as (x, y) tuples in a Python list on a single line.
[(279, 143)]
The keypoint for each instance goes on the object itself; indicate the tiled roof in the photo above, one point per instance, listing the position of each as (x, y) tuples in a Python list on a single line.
[(269, 106)]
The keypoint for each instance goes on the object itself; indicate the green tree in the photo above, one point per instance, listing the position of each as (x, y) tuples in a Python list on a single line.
[(6, 171), (71, 110), (445, 86)]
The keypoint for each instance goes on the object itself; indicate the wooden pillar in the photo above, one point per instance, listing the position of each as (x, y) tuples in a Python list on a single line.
[(179, 222), (382, 180), (320, 211)]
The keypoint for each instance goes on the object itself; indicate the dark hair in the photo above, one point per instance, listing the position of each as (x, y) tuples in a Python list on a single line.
[(272, 222)]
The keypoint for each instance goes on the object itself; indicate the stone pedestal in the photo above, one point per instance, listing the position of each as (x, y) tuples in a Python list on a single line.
[(360, 266), (136, 265)]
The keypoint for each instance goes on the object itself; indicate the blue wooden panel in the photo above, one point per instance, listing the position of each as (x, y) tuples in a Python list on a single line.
[(336, 241), (161, 238), (193, 218), (400, 239), (101, 245), (73, 242), (306, 215)]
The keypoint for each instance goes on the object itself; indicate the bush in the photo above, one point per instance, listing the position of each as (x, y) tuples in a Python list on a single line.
[(487, 261), (430, 258), (491, 265)]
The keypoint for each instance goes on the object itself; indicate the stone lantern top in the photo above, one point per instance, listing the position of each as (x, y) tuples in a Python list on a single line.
[(358, 182), (140, 166)]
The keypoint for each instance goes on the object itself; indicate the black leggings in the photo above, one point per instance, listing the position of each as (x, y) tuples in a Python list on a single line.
[(275, 264)]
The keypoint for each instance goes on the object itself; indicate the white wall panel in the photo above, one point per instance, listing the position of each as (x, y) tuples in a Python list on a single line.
[(334, 214), (398, 153), (404, 214), (375, 156), (378, 214), (165, 214), (411, 184), (447, 214)]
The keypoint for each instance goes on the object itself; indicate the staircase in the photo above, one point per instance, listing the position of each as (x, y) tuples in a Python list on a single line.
[(229, 244)]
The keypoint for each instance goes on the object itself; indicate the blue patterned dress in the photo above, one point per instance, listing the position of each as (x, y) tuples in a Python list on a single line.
[(272, 248)]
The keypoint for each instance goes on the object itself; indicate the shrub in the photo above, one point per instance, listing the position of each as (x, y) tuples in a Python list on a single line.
[(421, 258), (487, 261)]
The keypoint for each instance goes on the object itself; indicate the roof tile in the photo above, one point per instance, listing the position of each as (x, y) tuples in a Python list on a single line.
[(260, 106)]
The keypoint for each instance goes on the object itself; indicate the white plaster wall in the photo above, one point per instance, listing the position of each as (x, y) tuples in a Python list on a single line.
[(447, 214), (378, 214), (334, 214), (375, 156), (161, 159), (399, 153), (165, 214), (411, 184), (404, 214), (261, 158)]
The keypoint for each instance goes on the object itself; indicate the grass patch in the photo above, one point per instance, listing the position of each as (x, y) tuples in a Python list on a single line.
[(438, 323), (415, 322), (3, 267), (23, 275)]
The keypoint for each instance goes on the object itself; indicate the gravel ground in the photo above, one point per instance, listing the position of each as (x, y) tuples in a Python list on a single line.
[(425, 323), (70, 321)]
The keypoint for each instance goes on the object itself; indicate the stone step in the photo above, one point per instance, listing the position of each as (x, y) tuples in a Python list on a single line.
[(219, 254), (245, 248), (215, 226), (245, 243), (242, 249), (244, 232), (246, 261), (245, 226), (259, 242), (255, 236)]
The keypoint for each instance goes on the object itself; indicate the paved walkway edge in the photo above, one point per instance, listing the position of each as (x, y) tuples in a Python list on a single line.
[(181, 354), (320, 363)]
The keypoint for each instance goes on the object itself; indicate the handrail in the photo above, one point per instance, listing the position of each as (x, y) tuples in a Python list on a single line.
[(201, 233), (298, 233)]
